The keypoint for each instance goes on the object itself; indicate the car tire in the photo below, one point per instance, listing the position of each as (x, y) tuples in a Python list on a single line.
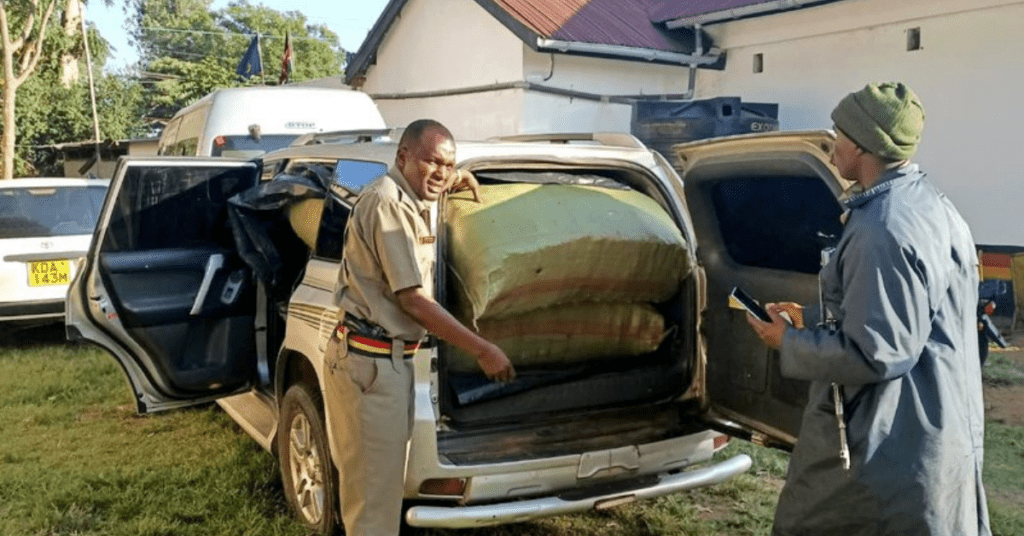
[(307, 472)]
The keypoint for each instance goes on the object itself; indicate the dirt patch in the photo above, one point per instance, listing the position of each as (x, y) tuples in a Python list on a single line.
[(1005, 403)]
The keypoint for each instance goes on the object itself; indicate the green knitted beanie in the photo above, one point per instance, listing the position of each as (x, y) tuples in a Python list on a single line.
[(883, 119)]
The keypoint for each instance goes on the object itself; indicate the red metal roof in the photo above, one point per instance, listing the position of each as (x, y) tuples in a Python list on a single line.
[(605, 22), (545, 17), (615, 23)]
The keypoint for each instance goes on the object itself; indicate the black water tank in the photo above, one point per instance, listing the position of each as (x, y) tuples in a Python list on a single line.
[(663, 123)]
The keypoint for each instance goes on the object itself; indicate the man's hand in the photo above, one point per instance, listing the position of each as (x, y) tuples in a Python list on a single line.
[(464, 180), (794, 310), (429, 314), (495, 364), (771, 333)]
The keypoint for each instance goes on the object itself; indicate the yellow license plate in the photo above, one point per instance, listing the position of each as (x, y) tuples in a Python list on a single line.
[(43, 273)]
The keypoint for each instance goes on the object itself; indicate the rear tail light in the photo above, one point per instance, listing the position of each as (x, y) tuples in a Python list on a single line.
[(443, 486), (721, 441), (220, 141)]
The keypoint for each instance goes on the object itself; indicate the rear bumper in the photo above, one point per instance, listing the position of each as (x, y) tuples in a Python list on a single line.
[(518, 511)]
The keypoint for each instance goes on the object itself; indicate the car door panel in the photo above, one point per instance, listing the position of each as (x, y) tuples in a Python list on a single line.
[(758, 206), (174, 301)]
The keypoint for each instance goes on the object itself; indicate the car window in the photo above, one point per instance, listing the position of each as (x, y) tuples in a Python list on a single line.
[(55, 211), (354, 174), (246, 147), (774, 222), (351, 176), (161, 207)]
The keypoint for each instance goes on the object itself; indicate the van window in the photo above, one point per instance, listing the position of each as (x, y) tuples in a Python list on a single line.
[(245, 147), (168, 137), (185, 147), (773, 222)]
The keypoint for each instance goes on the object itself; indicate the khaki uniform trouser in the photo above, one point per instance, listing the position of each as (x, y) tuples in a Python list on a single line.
[(369, 401)]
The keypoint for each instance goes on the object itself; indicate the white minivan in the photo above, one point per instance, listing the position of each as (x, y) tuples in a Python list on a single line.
[(249, 121)]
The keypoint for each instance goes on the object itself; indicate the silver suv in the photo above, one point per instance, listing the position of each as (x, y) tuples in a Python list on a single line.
[(212, 279)]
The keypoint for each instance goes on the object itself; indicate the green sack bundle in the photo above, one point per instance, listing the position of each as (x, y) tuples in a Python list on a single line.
[(570, 334), (527, 247)]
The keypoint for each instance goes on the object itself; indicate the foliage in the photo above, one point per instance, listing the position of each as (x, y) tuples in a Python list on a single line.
[(22, 41), (50, 113), (191, 51)]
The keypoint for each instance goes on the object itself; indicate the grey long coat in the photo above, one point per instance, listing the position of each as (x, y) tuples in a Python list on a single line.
[(903, 286)]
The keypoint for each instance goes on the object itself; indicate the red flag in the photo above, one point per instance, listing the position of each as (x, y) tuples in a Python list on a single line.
[(287, 61)]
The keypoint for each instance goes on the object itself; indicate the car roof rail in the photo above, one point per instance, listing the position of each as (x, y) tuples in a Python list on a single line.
[(610, 139), (345, 136)]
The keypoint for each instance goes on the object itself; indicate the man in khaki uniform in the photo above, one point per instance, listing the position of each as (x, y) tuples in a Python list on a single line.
[(385, 291)]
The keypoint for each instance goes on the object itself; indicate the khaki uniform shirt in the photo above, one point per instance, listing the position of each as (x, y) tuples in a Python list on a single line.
[(388, 247)]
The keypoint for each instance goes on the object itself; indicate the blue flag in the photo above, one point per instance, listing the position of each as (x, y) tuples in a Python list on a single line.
[(252, 61)]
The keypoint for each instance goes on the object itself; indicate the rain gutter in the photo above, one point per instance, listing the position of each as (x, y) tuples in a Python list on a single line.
[(527, 86), (632, 53)]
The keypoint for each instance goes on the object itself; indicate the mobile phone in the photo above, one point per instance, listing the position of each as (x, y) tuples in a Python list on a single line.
[(750, 304)]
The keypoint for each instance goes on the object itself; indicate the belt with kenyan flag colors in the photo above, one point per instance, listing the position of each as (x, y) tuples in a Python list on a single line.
[(369, 340)]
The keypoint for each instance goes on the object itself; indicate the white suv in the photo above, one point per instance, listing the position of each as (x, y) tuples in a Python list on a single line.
[(208, 283), (45, 228)]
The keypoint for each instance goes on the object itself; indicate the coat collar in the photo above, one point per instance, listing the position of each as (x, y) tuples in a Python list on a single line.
[(889, 180)]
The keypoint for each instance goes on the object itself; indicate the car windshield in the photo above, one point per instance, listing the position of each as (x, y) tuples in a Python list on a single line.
[(246, 147), (49, 211)]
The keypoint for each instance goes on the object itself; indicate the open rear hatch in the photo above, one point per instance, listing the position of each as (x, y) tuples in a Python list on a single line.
[(583, 276)]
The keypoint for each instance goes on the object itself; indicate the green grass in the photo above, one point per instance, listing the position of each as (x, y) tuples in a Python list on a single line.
[(1001, 370), (1003, 474), (75, 459)]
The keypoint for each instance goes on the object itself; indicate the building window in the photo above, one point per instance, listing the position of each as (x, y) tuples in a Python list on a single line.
[(913, 39), (758, 63)]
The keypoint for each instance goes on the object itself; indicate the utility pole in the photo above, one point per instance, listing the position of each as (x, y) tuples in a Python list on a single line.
[(92, 91)]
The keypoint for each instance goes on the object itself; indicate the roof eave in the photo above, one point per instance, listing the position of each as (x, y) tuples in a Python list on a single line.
[(367, 53), (744, 12), (710, 59)]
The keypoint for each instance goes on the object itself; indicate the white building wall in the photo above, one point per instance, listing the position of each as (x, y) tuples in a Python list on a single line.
[(442, 45), (967, 74), (550, 113), (415, 56)]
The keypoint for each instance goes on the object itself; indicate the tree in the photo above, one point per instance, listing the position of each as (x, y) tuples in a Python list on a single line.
[(21, 56), (52, 109), (72, 24), (191, 51)]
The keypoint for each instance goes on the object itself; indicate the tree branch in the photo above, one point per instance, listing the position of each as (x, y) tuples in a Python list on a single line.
[(31, 57), (7, 45), (26, 32)]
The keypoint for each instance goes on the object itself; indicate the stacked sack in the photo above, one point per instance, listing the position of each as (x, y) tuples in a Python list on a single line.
[(558, 273)]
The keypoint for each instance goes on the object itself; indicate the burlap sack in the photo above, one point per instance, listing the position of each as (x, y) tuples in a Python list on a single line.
[(570, 334), (527, 247)]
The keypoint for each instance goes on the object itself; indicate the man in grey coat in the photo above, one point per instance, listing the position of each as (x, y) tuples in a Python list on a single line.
[(901, 345)]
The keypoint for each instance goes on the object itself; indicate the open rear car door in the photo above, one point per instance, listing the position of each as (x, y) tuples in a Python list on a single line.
[(163, 288), (763, 207)]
